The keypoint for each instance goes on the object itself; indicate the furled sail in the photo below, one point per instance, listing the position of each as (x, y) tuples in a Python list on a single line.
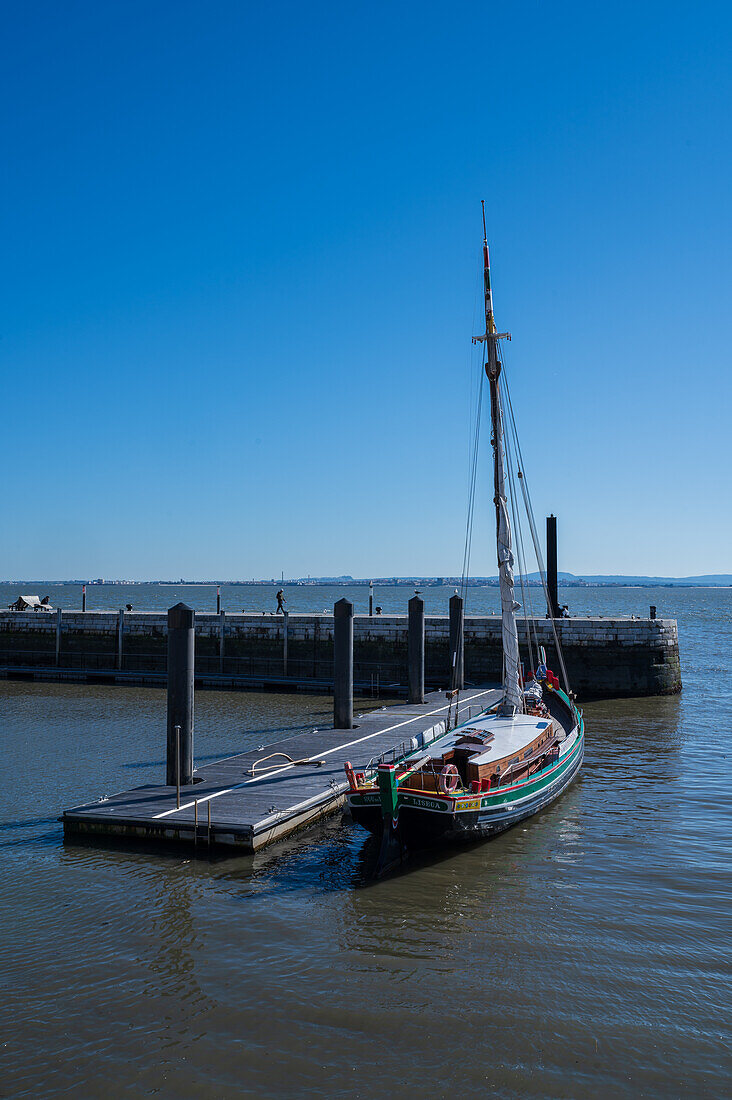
[(512, 700), (509, 607)]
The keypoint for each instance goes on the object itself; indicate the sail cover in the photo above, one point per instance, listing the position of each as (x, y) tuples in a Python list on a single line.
[(509, 607)]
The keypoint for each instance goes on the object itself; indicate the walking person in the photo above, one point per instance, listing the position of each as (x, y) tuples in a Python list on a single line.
[(281, 601)]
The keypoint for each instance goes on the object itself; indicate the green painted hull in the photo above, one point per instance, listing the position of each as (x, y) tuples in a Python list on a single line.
[(423, 818)]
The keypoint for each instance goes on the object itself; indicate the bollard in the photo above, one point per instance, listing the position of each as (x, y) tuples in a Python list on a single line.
[(177, 767), (120, 635), (58, 636), (181, 651), (83, 597), (343, 665), (551, 567), (218, 600), (457, 640), (653, 610), (285, 640), (371, 598), (316, 647), (415, 650), (222, 640)]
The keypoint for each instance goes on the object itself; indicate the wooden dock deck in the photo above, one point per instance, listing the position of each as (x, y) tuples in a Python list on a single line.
[(237, 809)]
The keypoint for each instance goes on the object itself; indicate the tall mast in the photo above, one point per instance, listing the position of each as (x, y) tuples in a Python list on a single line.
[(512, 701)]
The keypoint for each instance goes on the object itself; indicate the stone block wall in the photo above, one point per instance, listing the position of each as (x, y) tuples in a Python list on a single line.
[(604, 657)]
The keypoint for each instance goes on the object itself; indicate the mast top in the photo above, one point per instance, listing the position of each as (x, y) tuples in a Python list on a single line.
[(490, 334)]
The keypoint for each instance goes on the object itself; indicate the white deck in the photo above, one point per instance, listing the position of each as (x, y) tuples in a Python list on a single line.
[(511, 735)]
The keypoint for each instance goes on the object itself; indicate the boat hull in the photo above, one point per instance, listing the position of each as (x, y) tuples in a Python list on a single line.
[(421, 821)]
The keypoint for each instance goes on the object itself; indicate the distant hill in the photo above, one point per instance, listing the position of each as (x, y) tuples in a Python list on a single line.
[(707, 580), (703, 581)]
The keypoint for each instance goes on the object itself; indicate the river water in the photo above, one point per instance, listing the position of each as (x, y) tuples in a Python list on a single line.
[(585, 953)]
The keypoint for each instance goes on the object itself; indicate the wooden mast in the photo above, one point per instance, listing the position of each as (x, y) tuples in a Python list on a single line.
[(512, 701)]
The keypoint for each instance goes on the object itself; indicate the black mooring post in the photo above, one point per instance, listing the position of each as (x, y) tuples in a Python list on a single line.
[(415, 650), (83, 597), (551, 567), (343, 665), (181, 664), (218, 601), (457, 642)]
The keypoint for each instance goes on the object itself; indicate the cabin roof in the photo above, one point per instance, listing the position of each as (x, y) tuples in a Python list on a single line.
[(510, 735)]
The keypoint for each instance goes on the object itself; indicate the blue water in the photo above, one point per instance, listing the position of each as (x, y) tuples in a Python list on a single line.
[(585, 953)]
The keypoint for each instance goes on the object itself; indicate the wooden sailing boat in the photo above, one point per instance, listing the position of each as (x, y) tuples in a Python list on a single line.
[(485, 775)]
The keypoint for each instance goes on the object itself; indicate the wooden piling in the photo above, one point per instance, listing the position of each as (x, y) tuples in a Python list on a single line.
[(343, 665), (551, 567), (415, 650), (120, 635), (181, 658), (58, 636), (457, 642), (285, 641)]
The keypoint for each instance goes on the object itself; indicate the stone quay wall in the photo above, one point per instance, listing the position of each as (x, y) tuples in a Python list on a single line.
[(604, 657)]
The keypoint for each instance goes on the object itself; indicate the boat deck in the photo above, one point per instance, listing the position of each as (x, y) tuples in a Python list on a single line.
[(237, 809)]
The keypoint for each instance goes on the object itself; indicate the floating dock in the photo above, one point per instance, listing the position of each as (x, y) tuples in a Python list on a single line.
[(228, 806)]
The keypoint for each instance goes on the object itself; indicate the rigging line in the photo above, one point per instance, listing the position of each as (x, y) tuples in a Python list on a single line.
[(527, 502), (519, 543), (471, 487), (470, 351), (532, 525), (537, 548), (525, 591), (531, 621), (469, 523), (512, 496)]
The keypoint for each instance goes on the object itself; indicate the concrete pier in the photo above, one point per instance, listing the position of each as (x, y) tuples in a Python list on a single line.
[(605, 657)]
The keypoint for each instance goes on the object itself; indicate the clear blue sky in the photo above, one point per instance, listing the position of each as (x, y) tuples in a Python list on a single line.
[(241, 260)]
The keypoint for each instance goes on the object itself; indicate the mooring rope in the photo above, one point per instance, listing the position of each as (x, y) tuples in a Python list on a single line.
[(287, 763)]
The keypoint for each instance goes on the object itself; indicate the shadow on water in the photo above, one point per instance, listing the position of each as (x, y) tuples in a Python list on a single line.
[(27, 823), (28, 839), (330, 857), (199, 759), (335, 856), (41, 840)]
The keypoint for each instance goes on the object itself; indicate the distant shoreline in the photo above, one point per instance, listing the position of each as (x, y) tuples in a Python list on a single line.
[(396, 582)]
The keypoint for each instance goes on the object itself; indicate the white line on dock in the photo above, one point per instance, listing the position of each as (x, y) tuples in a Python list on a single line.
[(345, 745)]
